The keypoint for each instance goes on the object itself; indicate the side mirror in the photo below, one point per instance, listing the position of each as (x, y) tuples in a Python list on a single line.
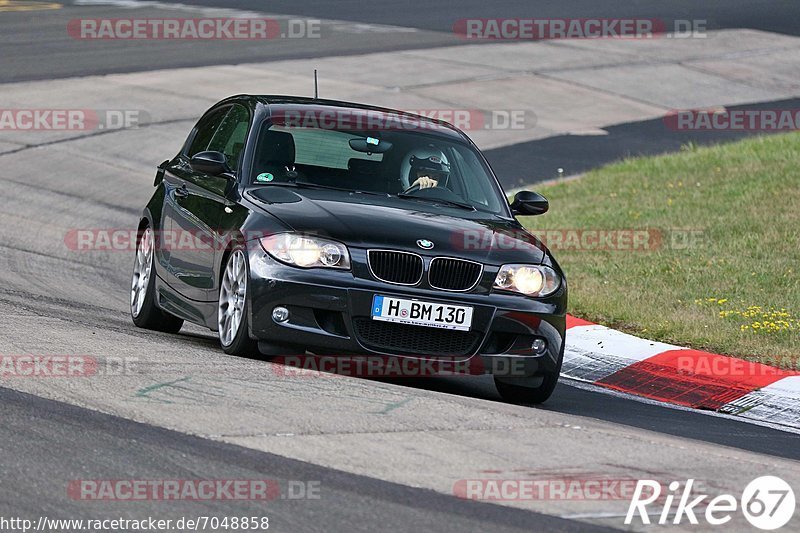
[(162, 169), (529, 203), (211, 163)]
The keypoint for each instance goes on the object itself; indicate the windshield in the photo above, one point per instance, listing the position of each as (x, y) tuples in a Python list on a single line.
[(413, 165)]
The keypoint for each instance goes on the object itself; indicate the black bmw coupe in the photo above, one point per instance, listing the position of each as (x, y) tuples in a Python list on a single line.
[(293, 225)]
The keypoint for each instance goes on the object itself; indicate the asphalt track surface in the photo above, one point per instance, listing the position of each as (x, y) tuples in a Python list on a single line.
[(35, 45), (33, 487), (575, 154), (52, 300), (769, 15)]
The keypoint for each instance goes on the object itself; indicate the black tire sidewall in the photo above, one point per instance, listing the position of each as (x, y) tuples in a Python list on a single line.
[(532, 395)]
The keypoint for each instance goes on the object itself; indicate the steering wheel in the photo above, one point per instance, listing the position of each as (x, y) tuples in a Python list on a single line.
[(416, 187)]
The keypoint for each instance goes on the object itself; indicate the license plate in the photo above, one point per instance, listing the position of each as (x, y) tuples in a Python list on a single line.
[(430, 314)]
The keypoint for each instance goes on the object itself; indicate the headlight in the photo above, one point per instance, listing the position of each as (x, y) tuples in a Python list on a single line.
[(306, 252), (531, 280)]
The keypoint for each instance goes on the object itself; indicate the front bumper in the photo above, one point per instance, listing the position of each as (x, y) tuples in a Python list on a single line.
[(330, 314)]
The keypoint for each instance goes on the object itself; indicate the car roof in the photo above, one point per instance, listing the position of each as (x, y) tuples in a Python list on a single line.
[(283, 104)]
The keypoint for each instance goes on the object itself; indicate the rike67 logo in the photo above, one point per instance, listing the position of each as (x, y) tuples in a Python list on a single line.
[(767, 503)]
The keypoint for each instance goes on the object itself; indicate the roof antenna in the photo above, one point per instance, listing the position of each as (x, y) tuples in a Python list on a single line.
[(316, 87)]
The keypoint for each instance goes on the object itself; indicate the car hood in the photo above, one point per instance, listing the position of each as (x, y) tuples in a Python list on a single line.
[(367, 221)]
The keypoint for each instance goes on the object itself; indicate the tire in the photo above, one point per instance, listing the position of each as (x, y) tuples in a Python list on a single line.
[(514, 390), (144, 311), (232, 320), (520, 394)]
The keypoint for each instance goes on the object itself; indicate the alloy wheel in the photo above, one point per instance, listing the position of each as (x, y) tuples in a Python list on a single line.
[(142, 268), (232, 295)]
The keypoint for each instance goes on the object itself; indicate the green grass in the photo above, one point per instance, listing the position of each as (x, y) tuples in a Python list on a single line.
[(736, 291)]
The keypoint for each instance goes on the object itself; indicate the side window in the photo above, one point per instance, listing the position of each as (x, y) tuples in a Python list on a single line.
[(231, 134), (205, 131)]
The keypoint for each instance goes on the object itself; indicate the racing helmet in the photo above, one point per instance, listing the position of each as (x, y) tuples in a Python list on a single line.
[(427, 159)]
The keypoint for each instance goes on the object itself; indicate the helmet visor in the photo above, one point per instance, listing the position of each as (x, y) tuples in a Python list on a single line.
[(429, 166)]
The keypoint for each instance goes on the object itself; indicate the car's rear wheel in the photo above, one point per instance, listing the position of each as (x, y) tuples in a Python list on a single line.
[(144, 311), (232, 321)]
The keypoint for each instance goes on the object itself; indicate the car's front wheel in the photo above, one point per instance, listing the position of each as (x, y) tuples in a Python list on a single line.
[(144, 311), (526, 390), (529, 390), (232, 322)]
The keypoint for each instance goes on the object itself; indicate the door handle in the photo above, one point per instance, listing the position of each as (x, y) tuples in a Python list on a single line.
[(182, 191)]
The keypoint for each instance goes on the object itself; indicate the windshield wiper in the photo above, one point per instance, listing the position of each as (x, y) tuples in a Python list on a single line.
[(453, 203)]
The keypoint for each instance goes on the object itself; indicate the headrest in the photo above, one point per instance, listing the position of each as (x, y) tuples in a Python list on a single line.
[(276, 148)]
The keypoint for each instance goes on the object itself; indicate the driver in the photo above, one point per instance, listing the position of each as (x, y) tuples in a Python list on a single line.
[(424, 167)]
